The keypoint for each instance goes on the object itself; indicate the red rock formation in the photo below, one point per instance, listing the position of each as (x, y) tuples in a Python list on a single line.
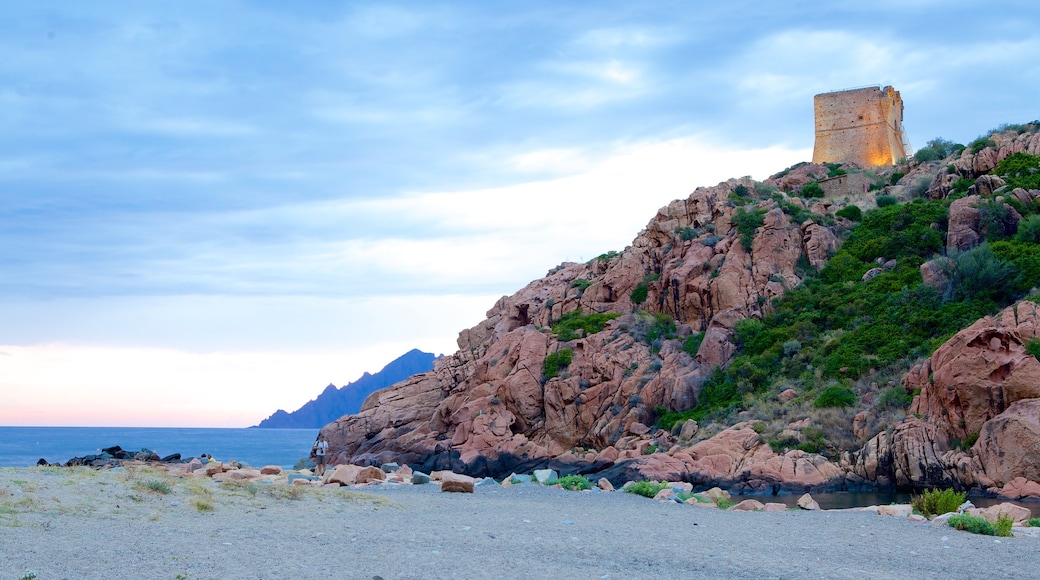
[(980, 383), (487, 410)]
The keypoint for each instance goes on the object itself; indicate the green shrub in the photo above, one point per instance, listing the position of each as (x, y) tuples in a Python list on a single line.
[(885, 200), (1020, 170), (973, 524), (693, 343), (574, 482), (640, 293), (724, 504), (896, 177), (581, 284), (746, 223), (555, 362), (1029, 230), (996, 220), (894, 398), (979, 274), (850, 212), (1033, 348), (981, 143), (646, 488), (1034, 522), (967, 443), (812, 190), (1004, 525), (835, 396), (567, 327), (935, 502), (937, 149)]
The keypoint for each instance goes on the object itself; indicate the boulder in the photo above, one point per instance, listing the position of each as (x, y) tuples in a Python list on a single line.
[(806, 502), (344, 475), (748, 505), (900, 510), (419, 478), (963, 230), (456, 486), (774, 507), (370, 474), (1021, 488), (270, 470), (545, 476), (1016, 512), (604, 484)]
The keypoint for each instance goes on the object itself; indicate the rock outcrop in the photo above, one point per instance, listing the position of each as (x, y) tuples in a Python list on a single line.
[(488, 409), (980, 386), (517, 397)]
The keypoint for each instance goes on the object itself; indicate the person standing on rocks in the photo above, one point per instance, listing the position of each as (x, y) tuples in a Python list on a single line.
[(319, 449)]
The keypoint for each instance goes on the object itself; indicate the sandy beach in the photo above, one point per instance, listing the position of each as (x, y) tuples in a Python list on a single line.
[(143, 523)]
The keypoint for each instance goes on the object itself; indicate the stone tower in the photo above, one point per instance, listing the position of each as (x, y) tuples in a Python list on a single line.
[(864, 126)]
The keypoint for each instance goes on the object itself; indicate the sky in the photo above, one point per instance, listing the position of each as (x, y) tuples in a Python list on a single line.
[(210, 211)]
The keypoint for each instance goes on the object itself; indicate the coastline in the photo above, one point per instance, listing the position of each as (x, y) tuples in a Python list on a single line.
[(83, 523)]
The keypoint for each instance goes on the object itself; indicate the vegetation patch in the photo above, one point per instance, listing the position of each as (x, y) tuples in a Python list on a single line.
[(692, 343), (850, 212), (646, 488), (938, 149), (567, 327), (156, 486), (973, 524), (556, 362), (746, 223), (835, 396), (812, 190), (936, 502), (574, 482), (1020, 170)]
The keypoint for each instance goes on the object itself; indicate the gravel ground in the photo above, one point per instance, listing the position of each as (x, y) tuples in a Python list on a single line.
[(79, 523)]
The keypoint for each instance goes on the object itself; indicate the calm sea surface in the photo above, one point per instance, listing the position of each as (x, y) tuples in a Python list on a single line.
[(23, 446)]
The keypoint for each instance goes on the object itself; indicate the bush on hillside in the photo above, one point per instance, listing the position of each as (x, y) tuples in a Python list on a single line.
[(746, 223), (812, 190), (556, 362), (835, 396), (885, 200), (981, 143), (1020, 170), (978, 274), (1029, 230), (937, 149), (567, 327), (693, 343), (850, 212)]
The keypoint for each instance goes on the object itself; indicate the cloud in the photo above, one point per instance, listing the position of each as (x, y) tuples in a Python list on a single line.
[(60, 384)]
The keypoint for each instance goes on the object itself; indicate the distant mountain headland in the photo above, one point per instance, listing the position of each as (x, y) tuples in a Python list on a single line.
[(335, 402)]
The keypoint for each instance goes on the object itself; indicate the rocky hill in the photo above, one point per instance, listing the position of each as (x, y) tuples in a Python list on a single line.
[(582, 369), (334, 402)]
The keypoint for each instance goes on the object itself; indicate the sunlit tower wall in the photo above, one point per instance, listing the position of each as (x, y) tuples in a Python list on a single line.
[(864, 126)]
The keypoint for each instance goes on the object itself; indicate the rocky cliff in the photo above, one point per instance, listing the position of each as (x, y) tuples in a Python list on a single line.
[(490, 409), (521, 393)]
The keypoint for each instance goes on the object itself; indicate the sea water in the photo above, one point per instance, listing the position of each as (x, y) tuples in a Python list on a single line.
[(24, 446)]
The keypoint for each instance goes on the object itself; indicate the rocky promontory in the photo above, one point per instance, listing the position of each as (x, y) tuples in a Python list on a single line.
[(572, 371)]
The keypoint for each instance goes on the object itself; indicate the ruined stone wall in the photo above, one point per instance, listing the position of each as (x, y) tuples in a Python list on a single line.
[(864, 126)]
